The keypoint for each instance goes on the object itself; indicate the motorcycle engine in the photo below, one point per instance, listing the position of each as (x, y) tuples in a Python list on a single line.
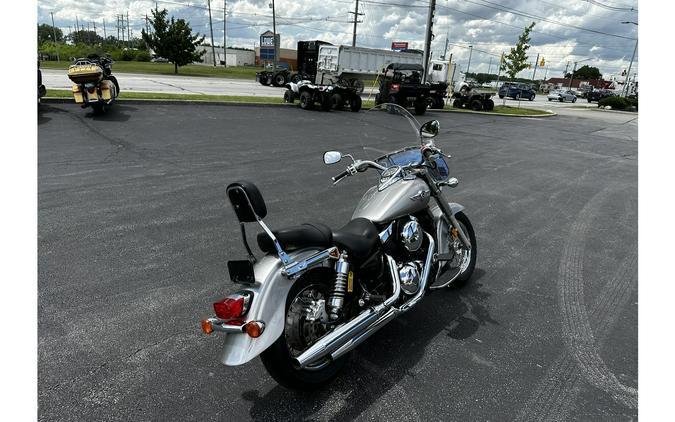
[(411, 235), (410, 274)]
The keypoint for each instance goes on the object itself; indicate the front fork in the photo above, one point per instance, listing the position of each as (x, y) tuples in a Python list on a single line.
[(445, 208)]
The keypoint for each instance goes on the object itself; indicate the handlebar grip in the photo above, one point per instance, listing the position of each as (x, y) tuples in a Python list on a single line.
[(340, 176)]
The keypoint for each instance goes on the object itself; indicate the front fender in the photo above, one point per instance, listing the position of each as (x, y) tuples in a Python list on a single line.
[(268, 305), (442, 225)]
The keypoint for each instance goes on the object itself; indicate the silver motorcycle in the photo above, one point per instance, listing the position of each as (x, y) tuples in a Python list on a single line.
[(317, 293)]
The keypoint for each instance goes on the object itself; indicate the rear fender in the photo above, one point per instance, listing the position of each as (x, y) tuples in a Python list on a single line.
[(269, 302)]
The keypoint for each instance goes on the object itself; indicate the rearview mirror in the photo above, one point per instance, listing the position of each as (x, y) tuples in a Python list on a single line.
[(430, 129), (331, 157)]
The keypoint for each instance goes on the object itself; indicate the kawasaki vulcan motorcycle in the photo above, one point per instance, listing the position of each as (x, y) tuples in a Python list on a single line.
[(317, 293), (94, 85)]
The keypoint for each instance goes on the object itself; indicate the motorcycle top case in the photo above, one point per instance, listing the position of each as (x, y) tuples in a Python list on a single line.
[(85, 73)]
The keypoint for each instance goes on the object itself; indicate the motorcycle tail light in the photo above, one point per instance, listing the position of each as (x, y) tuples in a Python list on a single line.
[(233, 306), (91, 89), (395, 87)]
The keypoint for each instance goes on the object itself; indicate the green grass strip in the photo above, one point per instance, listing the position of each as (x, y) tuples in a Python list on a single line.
[(235, 72)]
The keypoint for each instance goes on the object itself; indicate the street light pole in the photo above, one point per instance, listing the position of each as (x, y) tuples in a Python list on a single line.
[(468, 64), (624, 91), (274, 36)]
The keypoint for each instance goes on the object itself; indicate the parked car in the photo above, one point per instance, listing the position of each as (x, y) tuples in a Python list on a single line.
[(516, 91), (562, 96), (599, 94)]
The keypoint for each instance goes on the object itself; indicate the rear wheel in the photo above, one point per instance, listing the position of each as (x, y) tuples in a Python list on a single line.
[(301, 329), (517, 97), (337, 101), (98, 107), (296, 78), (574, 100), (357, 84), (306, 102), (489, 105), (420, 107), (476, 105), (326, 102), (457, 103), (279, 79), (531, 97), (501, 97), (288, 96), (355, 104)]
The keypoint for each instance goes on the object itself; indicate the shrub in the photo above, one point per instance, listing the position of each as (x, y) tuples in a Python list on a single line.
[(142, 56), (618, 103)]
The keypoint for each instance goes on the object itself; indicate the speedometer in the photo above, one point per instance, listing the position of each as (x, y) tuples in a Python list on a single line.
[(389, 176)]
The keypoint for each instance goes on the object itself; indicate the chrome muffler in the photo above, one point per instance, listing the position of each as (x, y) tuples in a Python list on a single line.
[(347, 331), (349, 335)]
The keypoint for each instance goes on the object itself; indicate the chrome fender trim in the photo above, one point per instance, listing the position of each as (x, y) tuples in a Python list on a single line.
[(269, 302)]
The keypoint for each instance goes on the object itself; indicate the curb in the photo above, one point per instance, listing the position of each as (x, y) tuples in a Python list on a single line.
[(53, 100), (450, 110), (171, 102)]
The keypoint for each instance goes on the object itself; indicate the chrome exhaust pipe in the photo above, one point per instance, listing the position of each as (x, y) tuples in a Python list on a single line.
[(346, 332), (346, 337), (393, 312)]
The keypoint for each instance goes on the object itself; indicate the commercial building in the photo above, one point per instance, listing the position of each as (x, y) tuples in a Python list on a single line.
[(235, 56)]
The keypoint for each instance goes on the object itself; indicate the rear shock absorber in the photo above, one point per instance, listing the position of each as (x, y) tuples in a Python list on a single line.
[(336, 296)]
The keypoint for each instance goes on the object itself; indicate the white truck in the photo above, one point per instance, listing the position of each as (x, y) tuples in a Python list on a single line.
[(350, 65)]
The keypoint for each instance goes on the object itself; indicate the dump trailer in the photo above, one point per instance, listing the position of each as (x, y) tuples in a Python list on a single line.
[(308, 52), (348, 66)]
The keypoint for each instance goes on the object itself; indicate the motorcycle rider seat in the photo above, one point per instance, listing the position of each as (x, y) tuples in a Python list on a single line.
[(359, 237), (297, 237)]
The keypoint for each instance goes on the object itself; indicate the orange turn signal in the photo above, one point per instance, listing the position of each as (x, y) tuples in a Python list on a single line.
[(207, 328), (254, 328)]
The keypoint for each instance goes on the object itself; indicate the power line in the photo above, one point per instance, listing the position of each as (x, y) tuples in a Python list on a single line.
[(608, 7), (517, 12)]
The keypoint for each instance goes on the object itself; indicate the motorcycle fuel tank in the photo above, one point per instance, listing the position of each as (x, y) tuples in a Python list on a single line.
[(402, 198)]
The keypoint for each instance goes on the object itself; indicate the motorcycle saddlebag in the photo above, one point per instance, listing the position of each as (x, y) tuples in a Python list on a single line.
[(85, 73), (107, 90)]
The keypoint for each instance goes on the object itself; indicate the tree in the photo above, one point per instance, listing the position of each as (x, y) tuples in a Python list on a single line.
[(173, 39), (46, 33), (85, 37), (516, 60), (586, 72)]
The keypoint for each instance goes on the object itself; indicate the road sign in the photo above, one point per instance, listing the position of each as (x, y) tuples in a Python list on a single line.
[(399, 45)]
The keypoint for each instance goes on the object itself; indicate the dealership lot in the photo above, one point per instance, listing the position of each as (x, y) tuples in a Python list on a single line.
[(135, 232)]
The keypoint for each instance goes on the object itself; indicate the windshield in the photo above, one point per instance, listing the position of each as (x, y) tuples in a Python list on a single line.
[(390, 136)]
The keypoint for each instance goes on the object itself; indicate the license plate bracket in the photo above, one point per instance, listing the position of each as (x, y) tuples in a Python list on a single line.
[(241, 271)]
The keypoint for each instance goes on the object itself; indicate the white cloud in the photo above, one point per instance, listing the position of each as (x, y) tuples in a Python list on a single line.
[(461, 22)]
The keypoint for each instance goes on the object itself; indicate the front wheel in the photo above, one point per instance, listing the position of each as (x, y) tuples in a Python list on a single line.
[(306, 101), (355, 104), (420, 107), (288, 96), (301, 330), (462, 261)]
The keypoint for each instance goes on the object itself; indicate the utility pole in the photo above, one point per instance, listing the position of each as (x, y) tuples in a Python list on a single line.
[(213, 48), (536, 63), (105, 35), (572, 75), (624, 91), (96, 33), (128, 29), (566, 67), (356, 20), (490, 65), (58, 56), (88, 33), (274, 35), (225, 33), (77, 24), (428, 38), (466, 74)]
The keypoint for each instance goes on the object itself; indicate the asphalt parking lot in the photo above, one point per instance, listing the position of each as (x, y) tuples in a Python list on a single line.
[(135, 230)]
